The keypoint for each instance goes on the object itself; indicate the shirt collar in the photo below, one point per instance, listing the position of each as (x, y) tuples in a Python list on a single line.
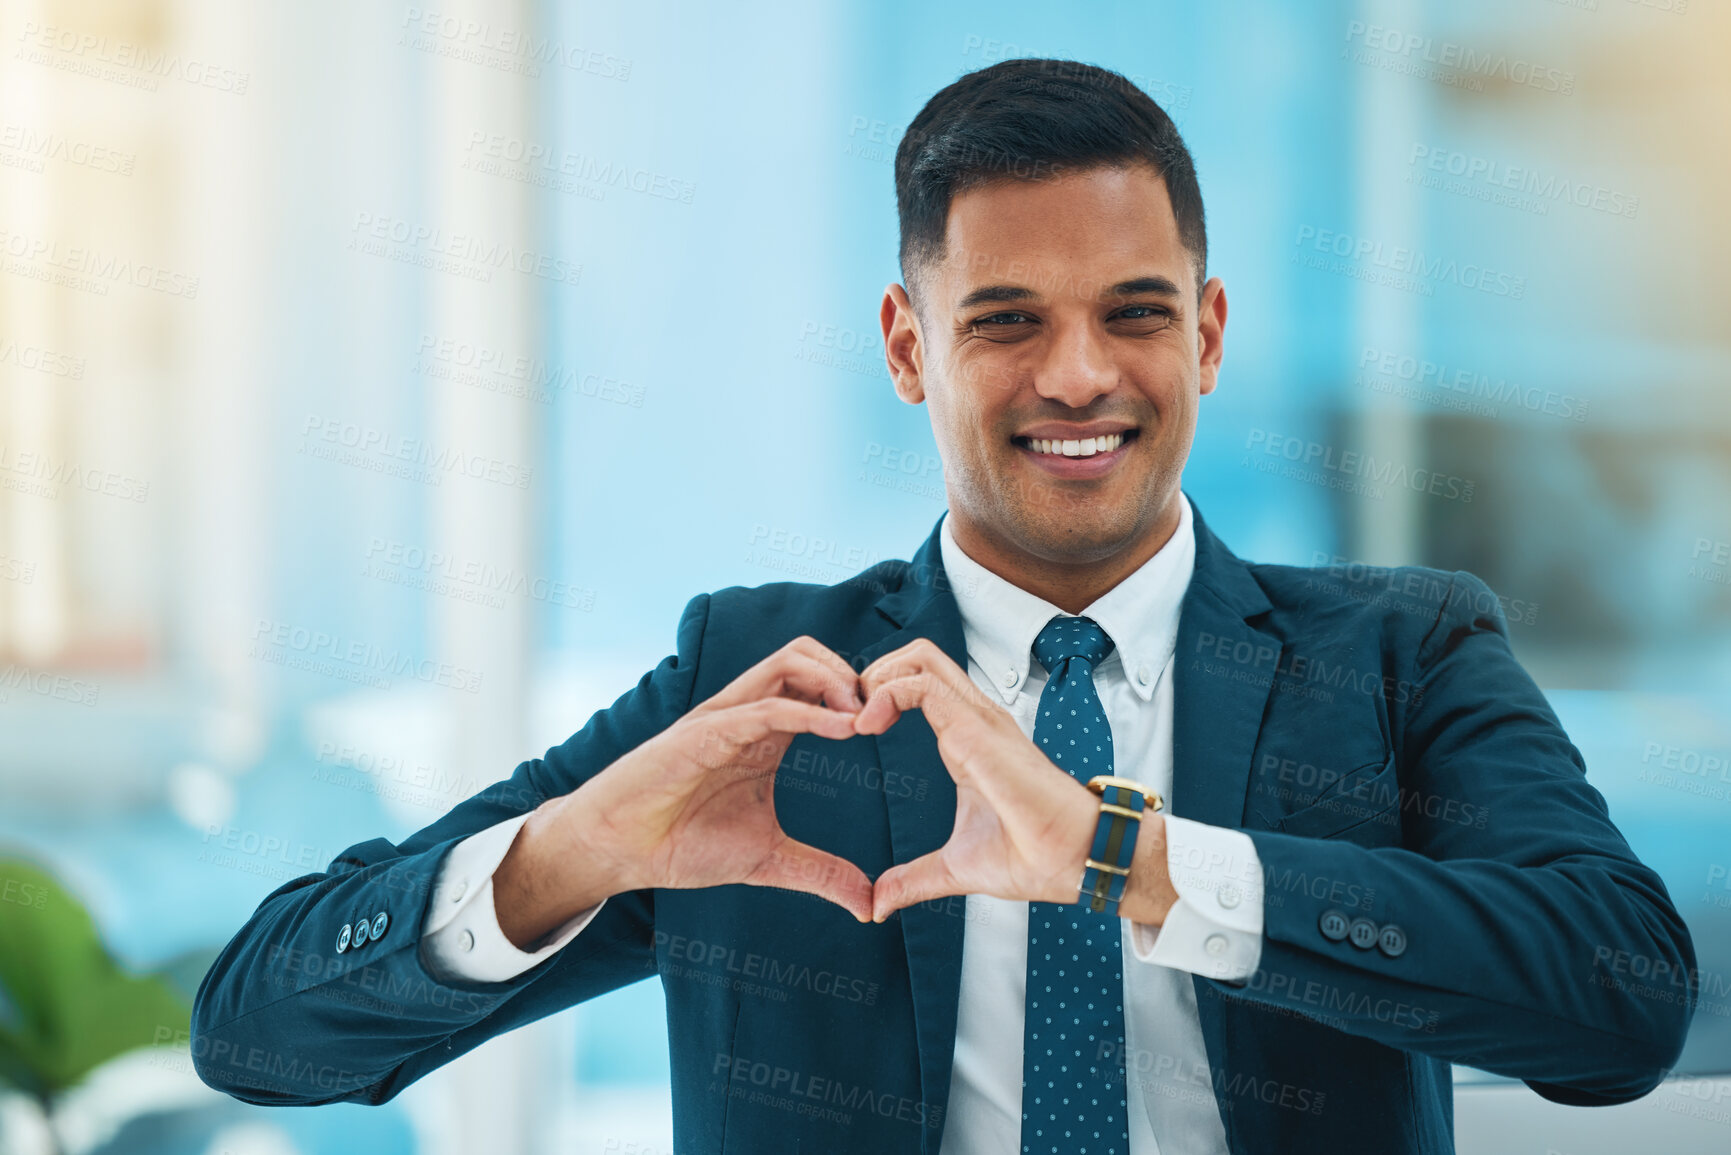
[(1000, 620)]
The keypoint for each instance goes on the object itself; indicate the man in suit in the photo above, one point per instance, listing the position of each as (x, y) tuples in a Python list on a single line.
[(1074, 833)]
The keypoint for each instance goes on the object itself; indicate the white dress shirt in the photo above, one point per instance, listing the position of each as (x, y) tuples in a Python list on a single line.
[(1215, 929)]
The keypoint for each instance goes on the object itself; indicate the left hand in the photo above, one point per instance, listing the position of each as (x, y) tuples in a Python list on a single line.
[(1023, 826)]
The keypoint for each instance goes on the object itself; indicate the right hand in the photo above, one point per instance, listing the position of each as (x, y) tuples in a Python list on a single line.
[(695, 805)]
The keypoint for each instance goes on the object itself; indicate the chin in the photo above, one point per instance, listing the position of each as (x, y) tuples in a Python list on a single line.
[(1084, 536)]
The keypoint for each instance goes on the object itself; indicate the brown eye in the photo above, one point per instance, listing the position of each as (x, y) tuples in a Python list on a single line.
[(1145, 317), (1002, 326)]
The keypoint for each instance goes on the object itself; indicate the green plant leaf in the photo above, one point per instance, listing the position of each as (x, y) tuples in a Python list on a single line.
[(66, 1005)]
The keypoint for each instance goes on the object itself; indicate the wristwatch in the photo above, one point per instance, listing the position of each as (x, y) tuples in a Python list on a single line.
[(1107, 870)]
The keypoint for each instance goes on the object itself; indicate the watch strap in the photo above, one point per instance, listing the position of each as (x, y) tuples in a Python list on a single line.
[(1106, 872)]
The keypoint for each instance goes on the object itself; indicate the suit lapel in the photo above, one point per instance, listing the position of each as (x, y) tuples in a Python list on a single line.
[(1223, 674), (924, 607)]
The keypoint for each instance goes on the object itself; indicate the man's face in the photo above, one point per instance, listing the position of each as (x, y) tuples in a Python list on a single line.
[(1061, 351)]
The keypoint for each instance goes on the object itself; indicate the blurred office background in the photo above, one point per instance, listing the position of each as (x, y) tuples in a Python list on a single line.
[(377, 382)]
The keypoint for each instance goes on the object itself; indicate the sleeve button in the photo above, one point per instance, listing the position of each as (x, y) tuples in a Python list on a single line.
[(1227, 896), (1333, 925), (1392, 941), (1362, 933), (380, 921), (1215, 944), (343, 938), (362, 933), (466, 940)]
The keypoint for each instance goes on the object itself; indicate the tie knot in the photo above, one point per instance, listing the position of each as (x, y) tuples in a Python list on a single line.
[(1071, 638)]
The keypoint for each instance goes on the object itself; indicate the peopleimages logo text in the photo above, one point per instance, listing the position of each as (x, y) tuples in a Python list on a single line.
[(1471, 383), (1412, 262), (1543, 187), (278, 641), (1450, 54)]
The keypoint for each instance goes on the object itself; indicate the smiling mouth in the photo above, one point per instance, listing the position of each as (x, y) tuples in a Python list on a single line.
[(1083, 447)]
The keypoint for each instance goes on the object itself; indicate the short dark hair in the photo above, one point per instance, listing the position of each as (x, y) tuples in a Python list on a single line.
[(1032, 119)]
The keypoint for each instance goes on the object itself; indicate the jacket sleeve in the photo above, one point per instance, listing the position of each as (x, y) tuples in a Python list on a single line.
[(1512, 940), (285, 1017)]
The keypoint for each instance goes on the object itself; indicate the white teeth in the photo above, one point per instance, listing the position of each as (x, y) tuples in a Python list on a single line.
[(1086, 447)]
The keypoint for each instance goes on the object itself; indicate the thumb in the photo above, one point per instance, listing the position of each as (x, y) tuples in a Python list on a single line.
[(925, 878), (796, 866)]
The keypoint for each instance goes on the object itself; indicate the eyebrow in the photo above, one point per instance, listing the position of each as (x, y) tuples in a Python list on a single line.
[(1163, 286), (1008, 294)]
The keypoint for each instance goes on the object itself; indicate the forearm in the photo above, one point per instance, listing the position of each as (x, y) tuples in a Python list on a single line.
[(1497, 965), (285, 1016), (282, 1017), (551, 874)]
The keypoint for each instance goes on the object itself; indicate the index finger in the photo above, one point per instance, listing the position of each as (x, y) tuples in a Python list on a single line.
[(917, 676), (806, 666), (920, 656)]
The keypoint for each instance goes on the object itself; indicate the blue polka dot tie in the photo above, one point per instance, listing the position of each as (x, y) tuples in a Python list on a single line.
[(1072, 1094)]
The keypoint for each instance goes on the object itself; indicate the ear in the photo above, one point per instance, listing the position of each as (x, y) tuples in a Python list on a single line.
[(1211, 332), (902, 347)]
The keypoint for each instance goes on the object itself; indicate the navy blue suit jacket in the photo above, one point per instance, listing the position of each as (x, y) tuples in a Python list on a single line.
[(1372, 732)]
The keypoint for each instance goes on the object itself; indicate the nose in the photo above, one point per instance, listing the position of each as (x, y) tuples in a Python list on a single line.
[(1077, 367)]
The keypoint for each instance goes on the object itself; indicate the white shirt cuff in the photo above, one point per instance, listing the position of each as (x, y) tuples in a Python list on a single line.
[(461, 940), (1215, 927)]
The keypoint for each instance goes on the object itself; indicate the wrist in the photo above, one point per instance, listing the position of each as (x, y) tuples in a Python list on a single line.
[(1081, 813), (1148, 892), (550, 874), (587, 849)]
